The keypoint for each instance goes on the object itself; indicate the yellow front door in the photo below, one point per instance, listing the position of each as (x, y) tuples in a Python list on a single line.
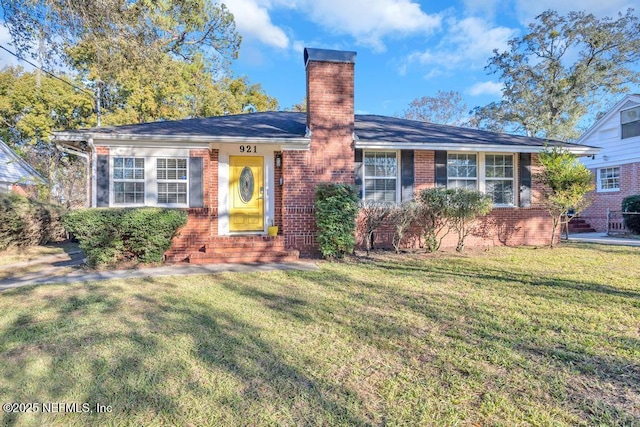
[(246, 189)]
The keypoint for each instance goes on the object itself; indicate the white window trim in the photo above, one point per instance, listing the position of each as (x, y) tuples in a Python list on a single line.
[(150, 181), (169, 181), (599, 188), (481, 179), (114, 181), (398, 174)]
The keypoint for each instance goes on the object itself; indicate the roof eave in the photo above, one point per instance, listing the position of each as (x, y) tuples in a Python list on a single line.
[(492, 148), (186, 141)]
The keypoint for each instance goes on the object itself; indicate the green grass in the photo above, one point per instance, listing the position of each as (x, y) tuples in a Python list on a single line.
[(512, 336)]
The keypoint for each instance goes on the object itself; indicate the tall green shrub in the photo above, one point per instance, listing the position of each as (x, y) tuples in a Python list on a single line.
[(632, 204), (336, 211), (113, 235), (26, 222)]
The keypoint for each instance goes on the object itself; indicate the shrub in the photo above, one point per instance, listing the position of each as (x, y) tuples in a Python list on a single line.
[(113, 235), (373, 216), (336, 211), (433, 215), (632, 204), (466, 206), (401, 217), (26, 222)]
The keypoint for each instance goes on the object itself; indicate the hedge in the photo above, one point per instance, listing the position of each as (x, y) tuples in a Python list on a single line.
[(111, 236), (632, 204), (27, 222)]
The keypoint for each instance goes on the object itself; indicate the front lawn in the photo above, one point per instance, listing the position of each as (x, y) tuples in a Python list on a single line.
[(518, 336)]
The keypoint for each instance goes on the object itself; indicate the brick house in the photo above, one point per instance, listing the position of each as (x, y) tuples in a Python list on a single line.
[(235, 174), (616, 167), (16, 175)]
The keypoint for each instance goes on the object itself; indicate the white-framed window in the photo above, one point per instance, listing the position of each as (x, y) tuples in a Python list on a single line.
[(462, 170), (498, 175), (630, 122), (128, 180), (609, 179), (381, 176), (171, 177), (493, 174)]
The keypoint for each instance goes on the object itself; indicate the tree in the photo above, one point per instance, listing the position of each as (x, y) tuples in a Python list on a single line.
[(562, 70), (433, 215), (466, 206), (301, 107), (111, 34), (447, 108), (151, 60), (402, 217), (373, 216), (566, 183)]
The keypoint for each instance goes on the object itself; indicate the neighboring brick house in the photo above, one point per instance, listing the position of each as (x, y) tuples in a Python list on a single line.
[(16, 175), (616, 167), (235, 174)]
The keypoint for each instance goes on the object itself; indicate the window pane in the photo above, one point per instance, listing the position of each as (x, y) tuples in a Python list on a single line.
[(380, 164), (609, 178), (501, 191)]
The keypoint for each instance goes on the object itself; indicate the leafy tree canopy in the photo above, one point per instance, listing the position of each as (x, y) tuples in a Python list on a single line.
[(562, 70), (447, 108)]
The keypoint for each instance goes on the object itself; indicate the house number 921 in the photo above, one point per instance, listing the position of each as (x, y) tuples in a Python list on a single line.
[(248, 149)]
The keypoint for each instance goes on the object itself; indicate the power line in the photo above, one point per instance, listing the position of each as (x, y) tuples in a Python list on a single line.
[(50, 74)]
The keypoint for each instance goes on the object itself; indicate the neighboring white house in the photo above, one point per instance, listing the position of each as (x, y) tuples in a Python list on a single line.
[(617, 166), (16, 174)]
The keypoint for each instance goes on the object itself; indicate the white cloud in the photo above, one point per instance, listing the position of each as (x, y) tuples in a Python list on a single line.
[(367, 21), (486, 88), (253, 20), (469, 43), (370, 21)]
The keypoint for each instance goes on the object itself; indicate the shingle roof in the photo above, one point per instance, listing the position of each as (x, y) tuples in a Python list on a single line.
[(291, 125), (14, 170)]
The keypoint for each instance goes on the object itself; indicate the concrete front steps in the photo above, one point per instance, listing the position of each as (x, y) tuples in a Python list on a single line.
[(578, 225), (231, 249)]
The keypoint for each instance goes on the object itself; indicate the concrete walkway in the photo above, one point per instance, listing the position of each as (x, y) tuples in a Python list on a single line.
[(603, 239), (55, 274)]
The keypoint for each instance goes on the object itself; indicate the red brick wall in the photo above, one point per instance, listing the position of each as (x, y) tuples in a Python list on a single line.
[(596, 213), (277, 202), (503, 226), (330, 117), (202, 223)]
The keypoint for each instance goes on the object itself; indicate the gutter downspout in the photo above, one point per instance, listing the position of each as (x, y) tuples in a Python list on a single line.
[(94, 186)]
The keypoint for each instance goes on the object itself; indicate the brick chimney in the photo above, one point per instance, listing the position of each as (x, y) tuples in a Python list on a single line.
[(330, 111), (330, 120)]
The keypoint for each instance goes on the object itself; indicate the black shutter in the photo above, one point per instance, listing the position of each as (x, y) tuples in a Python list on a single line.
[(406, 175), (358, 171), (102, 181), (196, 196), (525, 180), (441, 169)]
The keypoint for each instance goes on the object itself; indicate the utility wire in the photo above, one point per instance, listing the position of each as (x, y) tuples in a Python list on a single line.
[(50, 74)]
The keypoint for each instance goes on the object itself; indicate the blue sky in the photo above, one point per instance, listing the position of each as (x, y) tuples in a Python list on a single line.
[(405, 48)]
